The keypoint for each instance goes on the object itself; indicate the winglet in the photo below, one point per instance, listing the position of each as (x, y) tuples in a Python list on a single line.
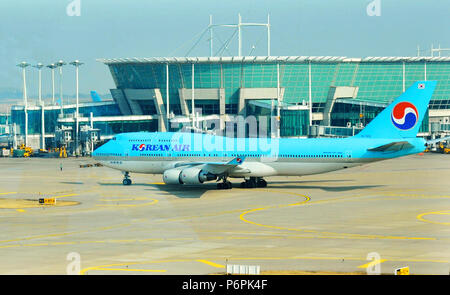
[(237, 161)]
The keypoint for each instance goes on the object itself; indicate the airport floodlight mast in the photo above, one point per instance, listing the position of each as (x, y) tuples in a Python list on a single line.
[(438, 50), (39, 66), (53, 67), (239, 26), (60, 64), (76, 64), (23, 65)]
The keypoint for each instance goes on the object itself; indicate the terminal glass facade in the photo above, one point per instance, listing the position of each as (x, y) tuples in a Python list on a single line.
[(51, 115), (376, 81)]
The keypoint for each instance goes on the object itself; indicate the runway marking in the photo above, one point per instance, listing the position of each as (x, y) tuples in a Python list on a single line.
[(20, 210), (372, 263), (345, 235), (445, 212), (8, 193), (211, 263)]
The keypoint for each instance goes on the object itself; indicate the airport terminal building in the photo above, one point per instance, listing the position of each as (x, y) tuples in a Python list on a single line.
[(313, 96), (317, 96)]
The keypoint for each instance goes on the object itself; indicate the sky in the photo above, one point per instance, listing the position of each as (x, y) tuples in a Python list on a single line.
[(43, 31)]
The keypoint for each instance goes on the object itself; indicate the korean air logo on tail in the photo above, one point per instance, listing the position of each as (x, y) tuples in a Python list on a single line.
[(404, 115)]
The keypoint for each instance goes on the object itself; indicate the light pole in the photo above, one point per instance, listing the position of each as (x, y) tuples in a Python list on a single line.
[(76, 64), (23, 65), (53, 67), (39, 66), (60, 64)]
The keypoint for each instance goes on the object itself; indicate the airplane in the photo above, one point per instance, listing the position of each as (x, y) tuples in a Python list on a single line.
[(196, 158)]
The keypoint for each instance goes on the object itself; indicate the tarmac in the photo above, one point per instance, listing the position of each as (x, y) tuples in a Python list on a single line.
[(377, 217)]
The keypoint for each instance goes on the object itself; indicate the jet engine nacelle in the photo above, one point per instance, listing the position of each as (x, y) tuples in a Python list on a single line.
[(187, 176), (195, 176), (172, 176)]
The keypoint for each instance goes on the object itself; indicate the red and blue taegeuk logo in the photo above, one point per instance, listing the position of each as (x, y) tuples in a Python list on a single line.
[(404, 115)]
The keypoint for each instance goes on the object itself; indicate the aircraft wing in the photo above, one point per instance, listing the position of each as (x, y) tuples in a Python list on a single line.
[(392, 147), (215, 167)]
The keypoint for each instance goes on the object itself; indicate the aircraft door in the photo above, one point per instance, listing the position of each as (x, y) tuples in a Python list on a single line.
[(348, 155)]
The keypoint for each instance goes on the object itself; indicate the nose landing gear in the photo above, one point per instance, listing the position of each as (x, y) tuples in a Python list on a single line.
[(126, 178)]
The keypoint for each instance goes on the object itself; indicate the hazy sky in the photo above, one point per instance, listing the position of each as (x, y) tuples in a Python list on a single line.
[(42, 31)]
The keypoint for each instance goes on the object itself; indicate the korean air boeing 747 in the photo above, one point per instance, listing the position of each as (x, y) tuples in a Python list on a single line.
[(195, 158)]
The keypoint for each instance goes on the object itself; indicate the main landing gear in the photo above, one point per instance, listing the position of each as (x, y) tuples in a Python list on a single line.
[(225, 184), (254, 182), (126, 178)]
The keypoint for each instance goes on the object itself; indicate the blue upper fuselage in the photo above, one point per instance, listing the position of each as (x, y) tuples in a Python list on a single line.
[(194, 145)]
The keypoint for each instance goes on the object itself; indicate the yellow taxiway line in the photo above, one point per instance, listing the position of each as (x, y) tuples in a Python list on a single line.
[(334, 234), (446, 212), (372, 263), (211, 263)]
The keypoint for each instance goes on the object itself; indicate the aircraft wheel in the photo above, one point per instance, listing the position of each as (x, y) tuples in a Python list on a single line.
[(126, 181), (224, 185), (261, 183)]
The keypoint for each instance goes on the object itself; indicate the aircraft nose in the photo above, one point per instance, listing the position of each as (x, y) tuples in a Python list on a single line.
[(101, 149)]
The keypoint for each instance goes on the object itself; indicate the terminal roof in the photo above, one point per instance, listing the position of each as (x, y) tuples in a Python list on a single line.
[(269, 59)]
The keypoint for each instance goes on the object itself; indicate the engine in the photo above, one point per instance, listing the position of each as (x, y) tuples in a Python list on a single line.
[(187, 176), (172, 176)]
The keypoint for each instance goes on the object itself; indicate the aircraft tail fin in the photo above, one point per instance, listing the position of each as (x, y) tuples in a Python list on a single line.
[(95, 97), (403, 117)]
